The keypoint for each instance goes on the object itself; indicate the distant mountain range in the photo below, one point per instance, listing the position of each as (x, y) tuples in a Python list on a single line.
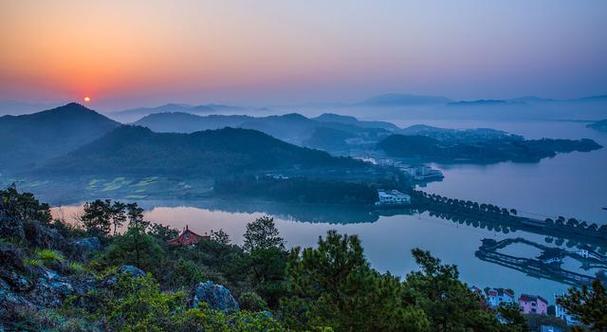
[(526, 100), (75, 139), (599, 125), (136, 113), (27, 141), (14, 107), (294, 128)]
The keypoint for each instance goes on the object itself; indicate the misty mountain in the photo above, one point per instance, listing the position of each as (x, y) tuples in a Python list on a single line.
[(32, 139), (459, 135), (487, 102), (350, 120), (599, 125), (136, 113), (601, 98), (179, 122), (293, 128), (396, 99), (134, 150)]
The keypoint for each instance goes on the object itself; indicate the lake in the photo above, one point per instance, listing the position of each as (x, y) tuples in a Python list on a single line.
[(573, 185)]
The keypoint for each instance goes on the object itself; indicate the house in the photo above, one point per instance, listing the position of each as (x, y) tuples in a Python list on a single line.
[(533, 304), (186, 238), (560, 312), (423, 173), (497, 296), (392, 198)]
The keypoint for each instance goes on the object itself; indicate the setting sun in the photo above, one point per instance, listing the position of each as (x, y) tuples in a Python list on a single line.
[(87, 99)]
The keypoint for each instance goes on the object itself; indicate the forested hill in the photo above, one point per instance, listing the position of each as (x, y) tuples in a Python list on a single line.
[(134, 150), (487, 151), (30, 140)]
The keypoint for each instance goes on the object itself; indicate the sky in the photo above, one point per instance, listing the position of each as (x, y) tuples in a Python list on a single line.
[(141, 53)]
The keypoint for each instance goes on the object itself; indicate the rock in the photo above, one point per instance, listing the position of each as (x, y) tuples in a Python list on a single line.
[(42, 236), (11, 257), (216, 296), (88, 244), (17, 281), (132, 270), (11, 304), (11, 227)]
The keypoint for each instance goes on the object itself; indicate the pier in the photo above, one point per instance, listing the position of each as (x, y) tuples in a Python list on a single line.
[(549, 267)]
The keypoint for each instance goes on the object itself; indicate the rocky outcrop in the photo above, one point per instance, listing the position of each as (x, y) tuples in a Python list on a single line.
[(130, 270), (88, 244), (84, 248), (41, 236), (216, 296)]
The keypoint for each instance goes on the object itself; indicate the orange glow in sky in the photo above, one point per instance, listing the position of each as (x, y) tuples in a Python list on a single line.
[(146, 52), (86, 99)]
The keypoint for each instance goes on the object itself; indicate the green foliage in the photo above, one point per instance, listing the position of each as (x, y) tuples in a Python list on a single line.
[(262, 234), (96, 218), (511, 315), (163, 232), (447, 302), (252, 302), (45, 257), (333, 286), (101, 216), (220, 237), (135, 248), (49, 255), (183, 274), (23, 206), (298, 189), (138, 304), (588, 305)]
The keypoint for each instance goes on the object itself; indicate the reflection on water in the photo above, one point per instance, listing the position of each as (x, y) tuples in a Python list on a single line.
[(387, 240)]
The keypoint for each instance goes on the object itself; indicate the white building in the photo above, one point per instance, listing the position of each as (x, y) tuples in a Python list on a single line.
[(392, 197)]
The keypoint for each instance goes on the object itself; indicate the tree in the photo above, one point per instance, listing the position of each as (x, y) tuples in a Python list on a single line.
[(447, 302), (162, 232), (262, 234), (220, 237), (97, 216), (136, 229), (23, 206), (514, 320), (589, 306), (333, 286), (118, 211)]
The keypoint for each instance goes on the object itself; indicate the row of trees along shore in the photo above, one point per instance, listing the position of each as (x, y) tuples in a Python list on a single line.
[(438, 203)]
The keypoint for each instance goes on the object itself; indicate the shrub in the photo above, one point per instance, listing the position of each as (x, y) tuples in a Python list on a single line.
[(252, 302)]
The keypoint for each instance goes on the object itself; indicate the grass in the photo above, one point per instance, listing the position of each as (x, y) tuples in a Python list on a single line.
[(49, 256), (76, 268)]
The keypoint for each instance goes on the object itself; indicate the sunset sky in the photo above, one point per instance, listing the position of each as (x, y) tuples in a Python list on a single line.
[(135, 53)]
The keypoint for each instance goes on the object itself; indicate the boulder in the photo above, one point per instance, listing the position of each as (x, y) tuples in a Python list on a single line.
[(41, 236), (216, 296), (131, 270), (11, 257), (88, 244)]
